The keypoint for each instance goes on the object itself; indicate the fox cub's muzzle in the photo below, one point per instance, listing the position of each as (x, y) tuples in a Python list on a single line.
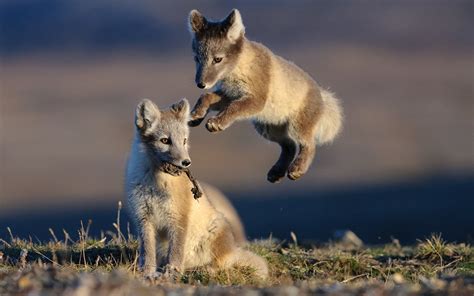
[(199, 76)]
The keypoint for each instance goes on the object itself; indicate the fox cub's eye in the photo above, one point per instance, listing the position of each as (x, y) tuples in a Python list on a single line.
[(217, 60), (166, 141)]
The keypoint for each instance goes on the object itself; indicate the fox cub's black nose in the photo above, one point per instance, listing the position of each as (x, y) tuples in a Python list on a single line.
[(186, 163), (201, 85)]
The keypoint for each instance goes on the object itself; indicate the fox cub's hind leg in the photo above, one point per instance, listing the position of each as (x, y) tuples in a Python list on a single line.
[(302, 162), (302, 128), (279, 169), (207, 101), (278, 134)]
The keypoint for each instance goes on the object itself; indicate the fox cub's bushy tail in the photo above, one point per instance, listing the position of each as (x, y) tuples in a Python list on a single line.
[(242, 257), (330, 123)]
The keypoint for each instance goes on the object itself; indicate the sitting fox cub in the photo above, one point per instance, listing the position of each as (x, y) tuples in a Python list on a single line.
[(286, 105), (175, 230)]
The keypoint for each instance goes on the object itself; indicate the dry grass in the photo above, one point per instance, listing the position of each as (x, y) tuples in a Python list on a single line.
[(110, 260), (109, 264)]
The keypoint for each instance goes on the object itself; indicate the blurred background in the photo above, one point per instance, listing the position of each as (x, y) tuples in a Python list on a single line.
[(72, 73)]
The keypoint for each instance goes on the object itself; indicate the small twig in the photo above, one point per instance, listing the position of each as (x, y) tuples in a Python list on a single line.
[(129, 233), (97, 261), (196, 190), (53, 235), (83, 241), (354, 277), (89, 223), (12, 239), (134, 265), (5, 242), (22, 259), (117, 224), (176, 171), (67, 237), (51, 261), (441, 268), (294, 238)]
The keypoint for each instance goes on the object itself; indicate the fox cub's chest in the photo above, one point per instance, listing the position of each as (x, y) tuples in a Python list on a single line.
[(233, 87), (161, 212), (154, 200)]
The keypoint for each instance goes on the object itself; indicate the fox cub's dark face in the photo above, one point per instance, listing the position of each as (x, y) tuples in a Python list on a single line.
[(165, 133), (216, 46)]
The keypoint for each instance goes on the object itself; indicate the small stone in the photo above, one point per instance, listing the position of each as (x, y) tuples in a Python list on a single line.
[(433, 283), (24, 283), (398, 278), (348, 238)]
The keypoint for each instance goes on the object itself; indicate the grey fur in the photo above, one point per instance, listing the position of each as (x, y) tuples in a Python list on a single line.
[(155, 126), (211, 41)]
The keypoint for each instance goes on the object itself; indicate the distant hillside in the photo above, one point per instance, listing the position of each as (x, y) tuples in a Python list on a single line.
[(31, 26)]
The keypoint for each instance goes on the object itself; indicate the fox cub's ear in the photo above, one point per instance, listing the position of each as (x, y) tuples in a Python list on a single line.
[(235, 26), (146, 114), (196, 21), (181, 109)]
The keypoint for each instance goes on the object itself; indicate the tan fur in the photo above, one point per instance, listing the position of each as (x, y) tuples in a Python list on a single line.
[(177, 231), (223, 205), (278, 96)]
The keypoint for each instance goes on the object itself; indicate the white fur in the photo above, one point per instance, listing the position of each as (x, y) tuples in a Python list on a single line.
[(288, 85), (287, 91), (152, 197), (154, 192), (330, 123), (288, 88), (151, 113), (237, 28)]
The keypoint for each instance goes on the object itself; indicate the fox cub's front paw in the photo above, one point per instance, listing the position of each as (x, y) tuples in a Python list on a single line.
[(195, 122), (196, 118), (152, 276), (167, 273), (170, 272), (214, 124), (150, 272)]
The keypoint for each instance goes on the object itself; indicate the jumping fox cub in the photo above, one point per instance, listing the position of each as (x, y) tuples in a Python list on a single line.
[(250, 82), (175, 230)]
